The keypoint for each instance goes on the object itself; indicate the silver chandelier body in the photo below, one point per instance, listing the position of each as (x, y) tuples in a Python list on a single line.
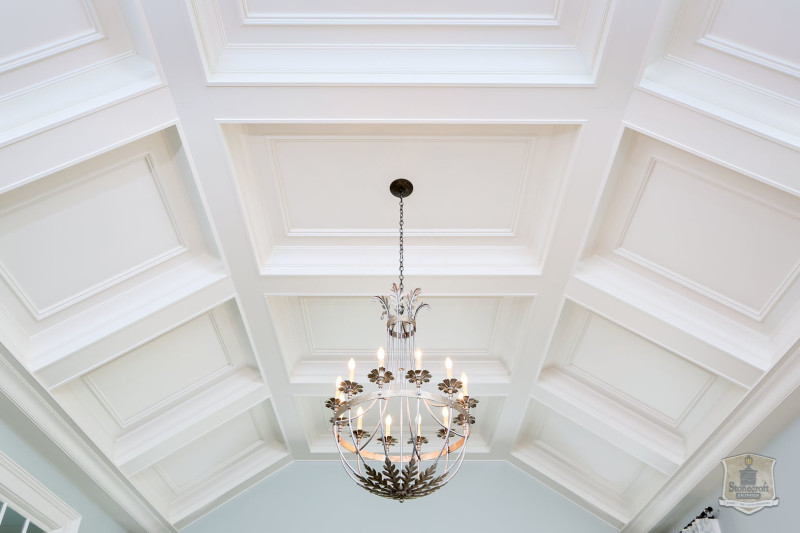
[(400, 441)]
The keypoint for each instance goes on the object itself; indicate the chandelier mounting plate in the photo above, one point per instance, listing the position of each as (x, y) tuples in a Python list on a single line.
[(401, 188)]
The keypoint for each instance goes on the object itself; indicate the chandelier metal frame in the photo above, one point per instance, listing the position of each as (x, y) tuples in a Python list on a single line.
[(411, 473)]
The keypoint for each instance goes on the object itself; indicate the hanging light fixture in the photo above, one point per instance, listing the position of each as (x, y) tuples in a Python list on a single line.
[(381, 435)]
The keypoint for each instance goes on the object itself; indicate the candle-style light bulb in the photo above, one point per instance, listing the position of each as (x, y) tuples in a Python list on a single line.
[(445, 416), (419, 424), (351, 367), (418, 359), (448, 364), (381, 356), (360, 421), (337, 393), (388, 424), (465, 382)]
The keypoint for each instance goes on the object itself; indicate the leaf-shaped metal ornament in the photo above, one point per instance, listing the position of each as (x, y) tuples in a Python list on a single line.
[(384, 304), (408, 485)]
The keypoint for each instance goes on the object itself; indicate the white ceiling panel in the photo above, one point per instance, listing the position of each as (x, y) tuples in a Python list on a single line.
[(506, 42), (719, 56), (455, 170), (594, 468), (605, 223), (317, 333), (718, 237), (639, 375), (61, 59), (506, 178), (160, 383), (107, 232), (185, 483)]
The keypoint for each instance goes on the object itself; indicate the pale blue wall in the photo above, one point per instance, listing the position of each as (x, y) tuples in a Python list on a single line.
[(486, 496), (27, 446), (784, 518)]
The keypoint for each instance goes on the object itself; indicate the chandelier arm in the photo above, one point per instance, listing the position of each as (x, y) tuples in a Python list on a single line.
[(386, 395), (450, 417), (459, 459), (381, 457)]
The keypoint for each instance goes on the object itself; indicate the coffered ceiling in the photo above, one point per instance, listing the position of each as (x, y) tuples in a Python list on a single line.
[(194, 212)]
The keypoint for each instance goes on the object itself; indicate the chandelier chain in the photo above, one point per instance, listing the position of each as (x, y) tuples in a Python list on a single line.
[(401, 244)]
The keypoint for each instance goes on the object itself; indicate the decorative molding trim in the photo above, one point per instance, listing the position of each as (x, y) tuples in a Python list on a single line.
[(745, 53), (234, 63), (95, 33), (251, 18), (44, 412), (33, 500), (510, 231), (632, 432), (777, 385), (172, 399), (622, 252), (40, 314)]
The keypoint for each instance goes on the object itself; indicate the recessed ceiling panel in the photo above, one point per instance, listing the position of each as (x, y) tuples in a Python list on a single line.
[(161, 378), (319, 333), (485, 191), (484, 177), (64, 221), (266, 42), (192, 479), (106, 231), (734, 60), (606, 476), (658, 384), (721, 238), (267, 8), (62, 58)]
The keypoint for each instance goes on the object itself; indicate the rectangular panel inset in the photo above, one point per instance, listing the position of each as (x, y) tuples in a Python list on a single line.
[(449, 324), (165, 366), (586, 451), (768, 38), (61, 246), (713, 237), (210, 452), (456, 171), (419, 8), (638, 368), (31, 33)]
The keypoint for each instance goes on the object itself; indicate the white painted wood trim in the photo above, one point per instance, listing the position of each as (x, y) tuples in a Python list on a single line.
[(33, 401), (34, 501)]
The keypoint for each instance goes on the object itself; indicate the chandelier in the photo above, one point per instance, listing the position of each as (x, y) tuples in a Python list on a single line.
[(382, 441)]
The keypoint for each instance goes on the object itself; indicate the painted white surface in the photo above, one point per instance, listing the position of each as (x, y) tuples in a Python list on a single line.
[(556, 109)]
